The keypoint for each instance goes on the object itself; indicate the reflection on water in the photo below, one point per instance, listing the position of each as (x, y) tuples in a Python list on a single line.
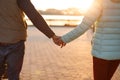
[(60, 20)]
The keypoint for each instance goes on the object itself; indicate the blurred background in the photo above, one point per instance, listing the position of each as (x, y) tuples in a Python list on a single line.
[(61, 12)]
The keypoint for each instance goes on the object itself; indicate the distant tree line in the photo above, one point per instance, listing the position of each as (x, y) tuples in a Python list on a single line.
[(69, 11)]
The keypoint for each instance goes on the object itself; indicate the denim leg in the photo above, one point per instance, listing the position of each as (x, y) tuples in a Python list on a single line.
[(2, 61), (2, 66), (15, 60)]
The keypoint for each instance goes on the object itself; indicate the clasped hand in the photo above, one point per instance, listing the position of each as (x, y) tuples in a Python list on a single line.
[(58, 41)]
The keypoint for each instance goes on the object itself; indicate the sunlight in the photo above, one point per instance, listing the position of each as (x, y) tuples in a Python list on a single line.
[(62, 4), (85, 4)]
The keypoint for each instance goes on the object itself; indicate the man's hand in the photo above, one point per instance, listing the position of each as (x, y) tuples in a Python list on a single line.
[(57, 40)]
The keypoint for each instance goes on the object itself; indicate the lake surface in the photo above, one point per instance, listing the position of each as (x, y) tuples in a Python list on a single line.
[(60, 20)]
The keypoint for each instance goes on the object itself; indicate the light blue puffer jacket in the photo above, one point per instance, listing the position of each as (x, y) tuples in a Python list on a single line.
[(106, 40)]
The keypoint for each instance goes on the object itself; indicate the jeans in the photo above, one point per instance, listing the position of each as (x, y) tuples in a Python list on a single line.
[(12, 55)]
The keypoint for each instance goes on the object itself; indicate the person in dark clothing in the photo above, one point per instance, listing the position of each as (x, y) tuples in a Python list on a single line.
[(13, 32)]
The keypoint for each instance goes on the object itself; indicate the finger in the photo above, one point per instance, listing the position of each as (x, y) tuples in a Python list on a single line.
[(63, 44), (57, 43)]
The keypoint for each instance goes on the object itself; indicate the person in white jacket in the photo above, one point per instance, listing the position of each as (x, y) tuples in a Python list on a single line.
[(106, 40)]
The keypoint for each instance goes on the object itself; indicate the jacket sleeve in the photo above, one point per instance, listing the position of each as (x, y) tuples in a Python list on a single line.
[(27, 7), (90, 17)]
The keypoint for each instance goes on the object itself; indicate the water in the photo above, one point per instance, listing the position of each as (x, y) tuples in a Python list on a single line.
[(60, 20)]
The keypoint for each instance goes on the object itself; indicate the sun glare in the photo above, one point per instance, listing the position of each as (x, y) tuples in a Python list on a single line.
[(85, 4), (62, 4)]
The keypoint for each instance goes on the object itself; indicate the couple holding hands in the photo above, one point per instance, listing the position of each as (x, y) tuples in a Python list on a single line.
[(105, 43)]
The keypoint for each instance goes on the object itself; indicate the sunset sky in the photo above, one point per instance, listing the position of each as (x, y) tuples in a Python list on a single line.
[(61, 4)]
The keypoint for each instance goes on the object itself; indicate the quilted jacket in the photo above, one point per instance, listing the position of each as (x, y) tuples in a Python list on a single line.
[(106, 40)]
